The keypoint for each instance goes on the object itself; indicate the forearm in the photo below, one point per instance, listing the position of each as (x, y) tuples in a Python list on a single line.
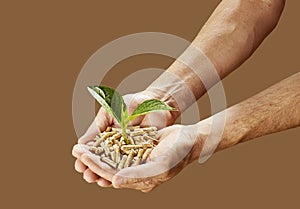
[(236, 29), (273, 110), (230, 36)]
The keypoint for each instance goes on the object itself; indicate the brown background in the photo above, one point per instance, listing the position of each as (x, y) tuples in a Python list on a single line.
[(44, 45)]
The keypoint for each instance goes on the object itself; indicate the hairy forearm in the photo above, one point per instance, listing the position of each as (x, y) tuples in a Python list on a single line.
[(230, 36), (273, 110)]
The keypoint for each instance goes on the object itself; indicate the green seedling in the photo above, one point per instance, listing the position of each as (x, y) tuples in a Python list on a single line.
[(114, 104)]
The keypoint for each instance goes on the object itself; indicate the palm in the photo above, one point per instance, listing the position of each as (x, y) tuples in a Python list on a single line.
[(85, 164), (168, 158)]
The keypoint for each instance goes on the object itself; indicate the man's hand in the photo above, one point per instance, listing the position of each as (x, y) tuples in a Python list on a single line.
[(272, 110), (101, 173), (237, 27), (179, 145)]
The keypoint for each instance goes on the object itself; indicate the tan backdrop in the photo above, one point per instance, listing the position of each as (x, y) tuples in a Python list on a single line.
[(44, 45)]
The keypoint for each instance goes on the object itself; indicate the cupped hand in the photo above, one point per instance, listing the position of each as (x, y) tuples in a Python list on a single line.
[(179, 145), (100, 172)]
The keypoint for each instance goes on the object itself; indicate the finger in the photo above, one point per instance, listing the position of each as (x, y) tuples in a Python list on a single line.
[(157, 119), (90, 134), (137, 121), (133, 100), (141, 177), (102, 120), (103, 182), (141, 186), (147, 190), (79, 166), (100, 168), (90, 176), (79, 149)]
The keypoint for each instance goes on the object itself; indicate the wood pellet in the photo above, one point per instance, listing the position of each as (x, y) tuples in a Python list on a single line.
[(112, 149)]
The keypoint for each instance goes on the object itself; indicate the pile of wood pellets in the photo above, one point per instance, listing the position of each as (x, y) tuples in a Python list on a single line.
[(119, 153)]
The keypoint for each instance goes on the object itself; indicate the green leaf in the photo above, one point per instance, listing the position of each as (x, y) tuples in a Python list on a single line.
[(148, 106), (111, 101)]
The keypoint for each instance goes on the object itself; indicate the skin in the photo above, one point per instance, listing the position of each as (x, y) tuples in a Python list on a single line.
[(229, 37), (236, 26), (84, 164), (273, 110)]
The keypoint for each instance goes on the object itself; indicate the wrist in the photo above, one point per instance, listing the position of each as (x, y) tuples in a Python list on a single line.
[(179, 86), (201, 130), (211, 137), (236, 129)]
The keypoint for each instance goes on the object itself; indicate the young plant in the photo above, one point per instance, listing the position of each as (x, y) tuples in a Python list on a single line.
[(114, 104)]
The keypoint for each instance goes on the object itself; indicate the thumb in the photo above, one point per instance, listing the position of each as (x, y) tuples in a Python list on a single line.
[(90, 134), (141, 177), (100, 123)]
